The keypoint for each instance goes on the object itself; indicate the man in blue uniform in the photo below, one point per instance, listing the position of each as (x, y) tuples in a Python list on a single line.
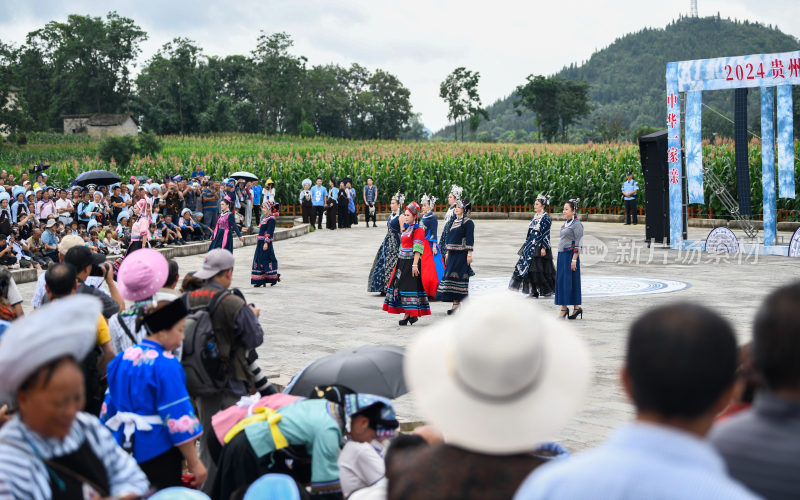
[(629, 190)]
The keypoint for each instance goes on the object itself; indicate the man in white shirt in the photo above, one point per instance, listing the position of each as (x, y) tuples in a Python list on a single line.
[(64, 208)]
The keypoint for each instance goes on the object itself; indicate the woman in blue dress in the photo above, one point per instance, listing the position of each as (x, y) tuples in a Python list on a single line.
[(568, 268), (534, 272), (265, 264), (432, 263), (225, 224), (147, 406), (386, 257), (452, 198), (454, 286)]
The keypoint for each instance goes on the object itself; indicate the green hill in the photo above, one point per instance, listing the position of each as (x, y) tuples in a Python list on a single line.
[(628, 84)]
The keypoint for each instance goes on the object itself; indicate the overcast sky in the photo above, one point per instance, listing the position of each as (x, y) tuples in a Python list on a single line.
[(418, 41)]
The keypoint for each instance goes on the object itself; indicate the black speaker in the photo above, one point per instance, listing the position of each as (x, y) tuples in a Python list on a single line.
[(653, 153), (741, 153)]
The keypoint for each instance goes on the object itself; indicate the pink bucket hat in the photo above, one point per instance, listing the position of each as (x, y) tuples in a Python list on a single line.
[(142, 274)]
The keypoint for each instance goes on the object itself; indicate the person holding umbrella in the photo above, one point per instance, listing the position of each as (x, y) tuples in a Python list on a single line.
[(225, 224), (265, 264)]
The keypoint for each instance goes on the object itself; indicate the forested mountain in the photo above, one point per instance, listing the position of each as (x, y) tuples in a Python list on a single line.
[(627, 81)]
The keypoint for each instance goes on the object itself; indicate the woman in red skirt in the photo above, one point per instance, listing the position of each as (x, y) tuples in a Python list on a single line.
[(405, 293)]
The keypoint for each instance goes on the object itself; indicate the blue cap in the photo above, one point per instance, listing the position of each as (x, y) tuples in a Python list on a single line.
[(273, 487)]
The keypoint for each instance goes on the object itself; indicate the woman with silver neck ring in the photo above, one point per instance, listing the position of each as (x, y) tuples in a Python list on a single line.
[(449, 217), (568, 268)]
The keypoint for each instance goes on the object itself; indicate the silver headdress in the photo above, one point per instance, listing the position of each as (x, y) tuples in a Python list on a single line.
[(429, 199), (400, 198), (456, 191), (544, 199)]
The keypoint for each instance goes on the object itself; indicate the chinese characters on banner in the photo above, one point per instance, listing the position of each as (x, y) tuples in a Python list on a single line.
[(739, 72), (674, 164), (765, 71)]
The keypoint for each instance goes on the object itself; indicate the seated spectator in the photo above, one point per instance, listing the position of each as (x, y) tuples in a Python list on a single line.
[(52, 449), (112, 244), (171, 231), (207, 231), (496, 388), (157, 239), (94, 243), (361, 459), (401, 448), (190, 231), (316, 424), (761, 446), (7, 312), (679, 370), (7, 256), (23, 251)]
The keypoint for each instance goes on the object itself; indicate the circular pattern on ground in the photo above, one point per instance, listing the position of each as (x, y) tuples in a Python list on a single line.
[(595, 286)]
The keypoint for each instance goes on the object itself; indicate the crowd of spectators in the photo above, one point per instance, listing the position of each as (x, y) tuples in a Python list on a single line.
[(35, 215)]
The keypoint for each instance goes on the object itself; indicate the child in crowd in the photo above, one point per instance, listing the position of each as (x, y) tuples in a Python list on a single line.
[(112, 244)]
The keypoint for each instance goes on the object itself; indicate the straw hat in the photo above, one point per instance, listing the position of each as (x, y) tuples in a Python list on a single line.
[(499, 378)]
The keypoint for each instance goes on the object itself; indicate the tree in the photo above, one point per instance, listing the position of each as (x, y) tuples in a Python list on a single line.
[(171, 93), (391, 108), (276, 83), (609, 128), (556, 102), (460, 91), (88, 61), (540, 95)]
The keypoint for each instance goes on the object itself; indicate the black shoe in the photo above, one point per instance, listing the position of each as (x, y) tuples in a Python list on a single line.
[(578, 312), (374, 225), (412, 320), (564, 314), (403, 322)]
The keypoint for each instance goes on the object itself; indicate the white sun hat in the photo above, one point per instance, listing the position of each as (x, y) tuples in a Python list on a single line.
[(500, 377)]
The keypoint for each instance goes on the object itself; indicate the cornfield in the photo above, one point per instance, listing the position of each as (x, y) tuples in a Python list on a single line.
[(491, 174)]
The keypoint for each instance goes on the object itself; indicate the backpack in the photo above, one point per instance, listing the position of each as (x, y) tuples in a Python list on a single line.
[(207, 372)]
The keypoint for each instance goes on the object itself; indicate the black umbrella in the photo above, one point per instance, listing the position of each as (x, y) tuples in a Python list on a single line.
[(244, 175), (372, 369), (39, 167), (96, 177)]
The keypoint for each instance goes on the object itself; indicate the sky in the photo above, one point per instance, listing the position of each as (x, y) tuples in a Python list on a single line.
[(420, 42)]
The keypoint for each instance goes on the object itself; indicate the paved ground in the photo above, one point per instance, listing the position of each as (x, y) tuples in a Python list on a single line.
[(321, 304)]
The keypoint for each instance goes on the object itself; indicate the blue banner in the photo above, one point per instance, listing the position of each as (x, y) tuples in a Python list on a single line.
[(694, 146), (674, 163), (768, 164), (739, 72), (785, 143)]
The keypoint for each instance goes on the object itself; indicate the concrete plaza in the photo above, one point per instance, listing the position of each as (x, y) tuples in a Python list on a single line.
[(321, 304)]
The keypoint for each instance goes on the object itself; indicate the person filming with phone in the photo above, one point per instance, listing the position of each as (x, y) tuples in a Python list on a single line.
[(88, 264)]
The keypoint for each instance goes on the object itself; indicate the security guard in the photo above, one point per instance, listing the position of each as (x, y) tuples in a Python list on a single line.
[(629, 190)]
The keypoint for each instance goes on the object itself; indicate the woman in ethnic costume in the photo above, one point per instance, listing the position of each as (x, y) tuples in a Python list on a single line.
[(405, 293), (534, 272), (332, 205), (147, 406), (305, 202), (568, 268), (225, 223), (50, 449), (432, 263), (452, 198), (458, 258), (140, 230), (343, 213), (265, 264), (386, 257)]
